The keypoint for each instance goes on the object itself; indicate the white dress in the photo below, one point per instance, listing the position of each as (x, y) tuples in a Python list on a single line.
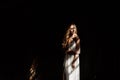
[(70, 73)]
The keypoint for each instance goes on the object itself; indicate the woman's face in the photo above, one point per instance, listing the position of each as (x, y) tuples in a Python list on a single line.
[(72, 29)]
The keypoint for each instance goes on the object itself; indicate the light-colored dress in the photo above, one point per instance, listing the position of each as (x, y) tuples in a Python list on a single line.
[(70, 73)]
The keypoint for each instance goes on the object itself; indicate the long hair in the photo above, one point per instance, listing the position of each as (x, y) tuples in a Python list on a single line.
[(33, 69), (66, 36)]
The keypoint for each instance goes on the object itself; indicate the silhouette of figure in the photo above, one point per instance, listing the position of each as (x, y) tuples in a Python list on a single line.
[(71, 46)]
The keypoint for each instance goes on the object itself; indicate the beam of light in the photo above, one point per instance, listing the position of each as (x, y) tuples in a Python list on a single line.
[(33, 70)]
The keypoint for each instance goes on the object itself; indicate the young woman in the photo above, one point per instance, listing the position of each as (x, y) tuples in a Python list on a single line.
[(71, 46)]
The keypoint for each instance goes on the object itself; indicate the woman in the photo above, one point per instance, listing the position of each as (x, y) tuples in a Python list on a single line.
[(71, 46)]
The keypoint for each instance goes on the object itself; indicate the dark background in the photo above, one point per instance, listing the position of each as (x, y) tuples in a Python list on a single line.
[(28, 33), (49, 47)]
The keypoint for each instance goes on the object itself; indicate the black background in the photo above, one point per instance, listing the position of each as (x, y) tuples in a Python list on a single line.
[(49, 47), (28, 32)]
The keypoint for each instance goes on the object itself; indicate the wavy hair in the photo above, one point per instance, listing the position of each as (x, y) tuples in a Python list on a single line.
[(66, 36)]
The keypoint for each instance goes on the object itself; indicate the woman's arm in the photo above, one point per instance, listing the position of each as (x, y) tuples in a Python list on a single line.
[(77, 47), (77, 40), (76, 56), (77, 51)]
